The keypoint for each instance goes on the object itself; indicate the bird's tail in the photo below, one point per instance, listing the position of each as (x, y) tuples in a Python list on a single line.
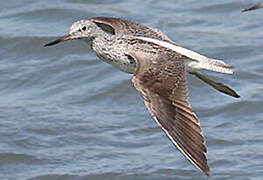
[(219, 66), (212, 65)]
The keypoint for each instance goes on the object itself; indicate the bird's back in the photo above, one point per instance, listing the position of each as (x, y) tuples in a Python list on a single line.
[(117, 26)]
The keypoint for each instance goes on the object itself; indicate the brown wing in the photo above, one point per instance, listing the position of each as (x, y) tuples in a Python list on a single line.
[(121, 26), (162, 82)]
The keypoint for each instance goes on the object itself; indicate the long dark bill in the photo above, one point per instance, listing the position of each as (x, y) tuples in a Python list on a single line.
[(63, 38)]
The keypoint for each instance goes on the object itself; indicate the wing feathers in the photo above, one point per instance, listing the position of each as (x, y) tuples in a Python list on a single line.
[(165, 95)]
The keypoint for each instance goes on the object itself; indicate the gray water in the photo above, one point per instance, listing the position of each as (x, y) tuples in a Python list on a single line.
[(64, 114)]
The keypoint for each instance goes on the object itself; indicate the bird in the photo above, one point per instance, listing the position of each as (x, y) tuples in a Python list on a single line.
[(159, 67), (258, 6)]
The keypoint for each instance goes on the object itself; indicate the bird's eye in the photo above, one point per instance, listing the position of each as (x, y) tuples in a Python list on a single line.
[(84, 28)]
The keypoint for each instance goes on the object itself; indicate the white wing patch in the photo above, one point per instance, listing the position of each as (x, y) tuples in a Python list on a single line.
[(201, 62)]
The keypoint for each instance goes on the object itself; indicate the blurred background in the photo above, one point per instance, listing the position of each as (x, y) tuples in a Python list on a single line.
[(65, 114)]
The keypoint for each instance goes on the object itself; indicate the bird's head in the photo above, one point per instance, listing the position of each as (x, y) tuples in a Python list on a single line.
[(83, 29)]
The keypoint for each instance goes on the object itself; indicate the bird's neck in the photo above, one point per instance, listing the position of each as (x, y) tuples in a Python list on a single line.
[(111, 50), (102, 46)]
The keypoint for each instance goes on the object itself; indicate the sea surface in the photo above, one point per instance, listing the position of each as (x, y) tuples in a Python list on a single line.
[(66, 115)]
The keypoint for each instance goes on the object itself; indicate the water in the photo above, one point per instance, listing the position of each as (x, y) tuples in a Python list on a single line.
[(64, 114)]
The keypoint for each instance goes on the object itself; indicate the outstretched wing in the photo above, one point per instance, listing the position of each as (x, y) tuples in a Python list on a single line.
[(162, 82), (114, 26), (253, 7)]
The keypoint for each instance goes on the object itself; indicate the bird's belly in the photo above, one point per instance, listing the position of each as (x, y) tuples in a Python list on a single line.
[(127, 68), (123, 63)]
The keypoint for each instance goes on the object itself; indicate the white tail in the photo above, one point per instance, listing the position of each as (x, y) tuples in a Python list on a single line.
[(210, 65)]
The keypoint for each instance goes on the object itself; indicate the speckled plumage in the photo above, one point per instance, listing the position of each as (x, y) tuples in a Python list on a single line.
[(159, 66)]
